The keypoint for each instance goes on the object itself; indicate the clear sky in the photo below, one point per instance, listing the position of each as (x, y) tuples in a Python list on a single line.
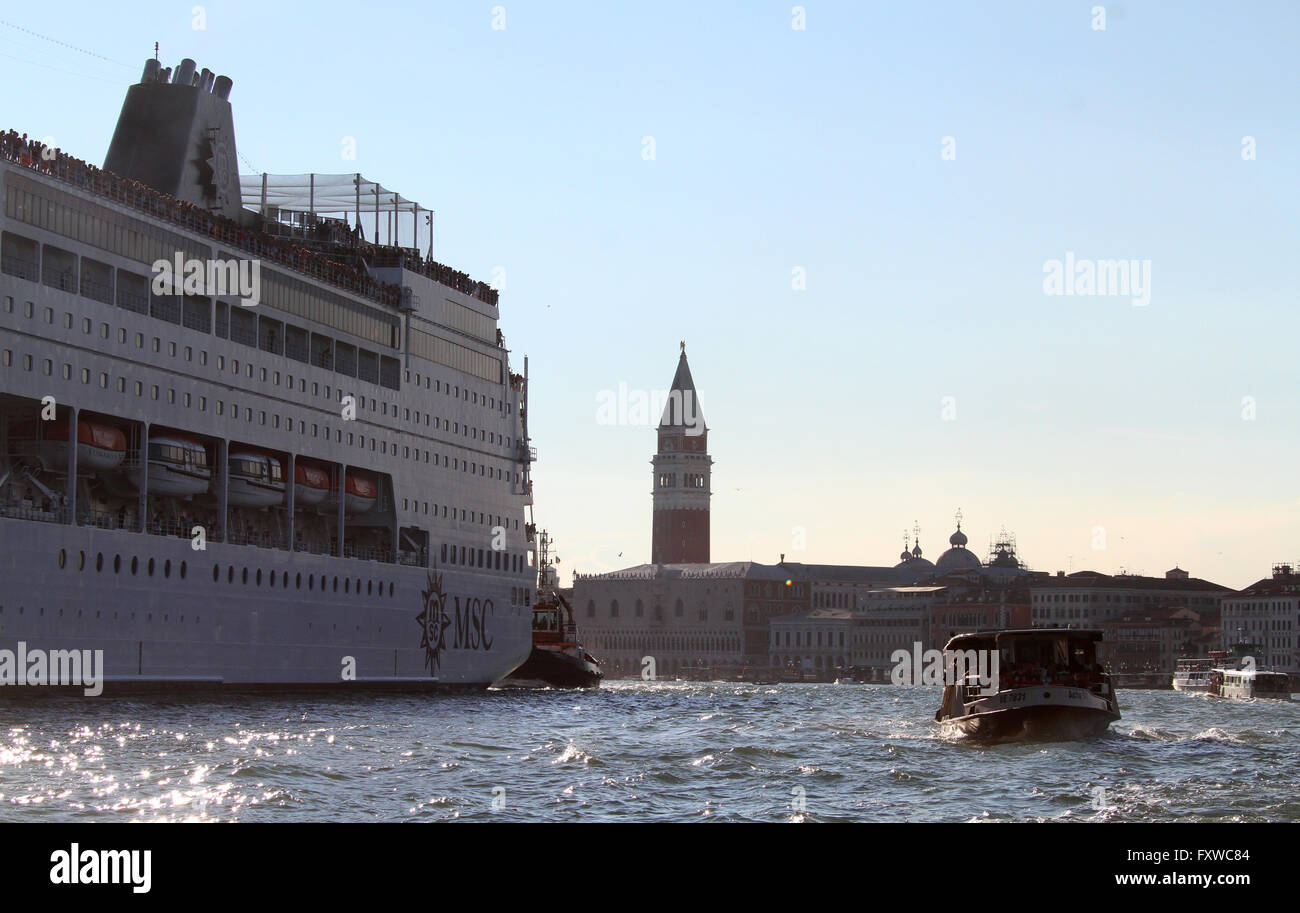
[(820, 149)]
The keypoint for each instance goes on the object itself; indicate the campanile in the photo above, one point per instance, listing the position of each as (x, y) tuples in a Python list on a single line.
[(682, 470)]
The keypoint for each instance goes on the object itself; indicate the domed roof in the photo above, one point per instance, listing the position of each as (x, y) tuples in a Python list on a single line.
[(916, 550), (957, 539), (957, 558)]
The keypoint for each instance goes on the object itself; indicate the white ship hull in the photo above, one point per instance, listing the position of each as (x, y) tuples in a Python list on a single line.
[(163, 632)]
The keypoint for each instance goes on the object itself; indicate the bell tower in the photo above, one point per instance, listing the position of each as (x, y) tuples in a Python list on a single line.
[(682, 476)]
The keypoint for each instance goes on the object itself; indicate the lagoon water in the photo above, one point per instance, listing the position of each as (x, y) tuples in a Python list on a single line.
[(634, 751)]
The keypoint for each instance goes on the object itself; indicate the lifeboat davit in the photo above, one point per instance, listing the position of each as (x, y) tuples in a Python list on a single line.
[(99, 446), (362, 494), (254, 479), (178, 466), (311, 484)]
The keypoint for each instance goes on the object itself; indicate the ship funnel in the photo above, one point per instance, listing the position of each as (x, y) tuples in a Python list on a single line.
[(151, 67), (178, 137)]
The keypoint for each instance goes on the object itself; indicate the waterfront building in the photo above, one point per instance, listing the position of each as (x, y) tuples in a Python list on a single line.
[(1088, 598), (694, 620), (1266, 615)]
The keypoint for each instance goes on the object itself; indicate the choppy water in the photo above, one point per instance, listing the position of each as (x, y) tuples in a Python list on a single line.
[(634, 751)]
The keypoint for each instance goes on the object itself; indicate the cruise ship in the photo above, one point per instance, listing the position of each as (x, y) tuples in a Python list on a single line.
[(300, 460)]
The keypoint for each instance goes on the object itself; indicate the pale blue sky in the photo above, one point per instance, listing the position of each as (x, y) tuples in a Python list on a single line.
[(820, 149)]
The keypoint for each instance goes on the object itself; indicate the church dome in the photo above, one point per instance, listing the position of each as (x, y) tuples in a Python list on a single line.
[(957, 558), (957, 539)]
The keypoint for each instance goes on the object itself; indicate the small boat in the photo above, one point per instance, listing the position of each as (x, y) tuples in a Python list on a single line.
[(558, 658), (361, 495), (99, 446), (1048, 685), (178, 467), (311, 484), (254, 480)]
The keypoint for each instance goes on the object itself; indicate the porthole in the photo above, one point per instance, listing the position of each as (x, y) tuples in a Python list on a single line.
[(370, 586), (150, 567), (81, 561), (183, 570), (284, 580), (216, 573), (297, 581), (167, 568), (272, 578), (230, 574), (117, 564), (347, 584), (99, 562), (244, 577), (311, 581), (390, 589), (135, 565), (63, 558), (259, 576), (336, 584)]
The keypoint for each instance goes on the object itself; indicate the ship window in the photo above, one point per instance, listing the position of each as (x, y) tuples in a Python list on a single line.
[(47, 367), (117, 564), (85, 375), (390, 589), (216, 573), (139, 388), (135, 565), (8, 357), (99, 561), (63, 558), (103, 380)]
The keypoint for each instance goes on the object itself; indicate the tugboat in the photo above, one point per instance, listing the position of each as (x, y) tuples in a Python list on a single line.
[(1049, 686), (558, 659)]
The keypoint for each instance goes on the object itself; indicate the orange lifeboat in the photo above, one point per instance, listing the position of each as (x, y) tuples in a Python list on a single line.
[(99, 446), (311, 484)]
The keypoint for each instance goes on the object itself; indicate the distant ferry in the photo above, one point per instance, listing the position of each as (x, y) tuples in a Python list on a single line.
[(1193, 673), (316, 480), (1232, 674), (1049, 686)]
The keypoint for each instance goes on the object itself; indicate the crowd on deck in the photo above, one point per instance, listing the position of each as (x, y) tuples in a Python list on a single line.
[(353, 276)]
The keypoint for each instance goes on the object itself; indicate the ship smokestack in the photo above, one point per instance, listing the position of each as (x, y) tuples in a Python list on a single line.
[(178, 137), (151, 67), (165, 75), (185, 73)]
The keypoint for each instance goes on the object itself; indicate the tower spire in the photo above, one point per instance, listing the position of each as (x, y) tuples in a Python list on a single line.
[(682, 476)]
